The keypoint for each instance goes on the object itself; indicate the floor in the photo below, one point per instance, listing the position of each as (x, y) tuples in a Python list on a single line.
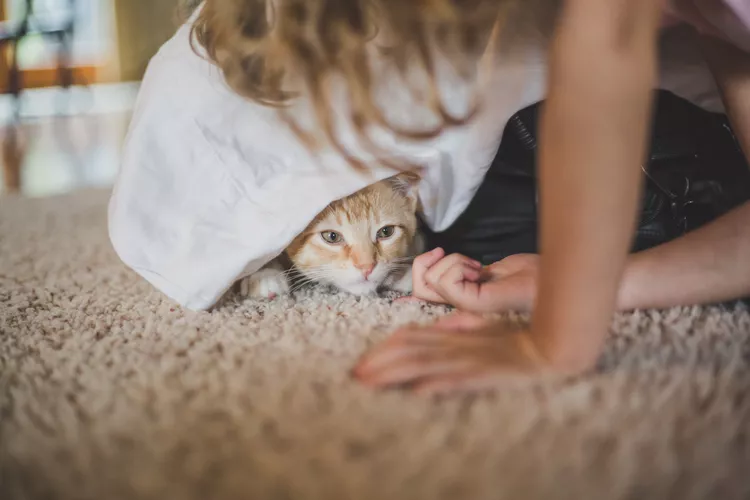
[(109, 390), (65, 140)]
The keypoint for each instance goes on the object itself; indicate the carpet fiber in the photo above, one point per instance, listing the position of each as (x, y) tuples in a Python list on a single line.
[(110, 391)]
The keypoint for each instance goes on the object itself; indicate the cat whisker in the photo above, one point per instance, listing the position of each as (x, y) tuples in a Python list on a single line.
[(313, 269), (313, 275), (308, 278), (299, 285)]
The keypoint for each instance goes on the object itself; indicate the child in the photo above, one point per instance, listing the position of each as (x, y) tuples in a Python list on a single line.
[(582, 275), (215, 182), (225, 163)]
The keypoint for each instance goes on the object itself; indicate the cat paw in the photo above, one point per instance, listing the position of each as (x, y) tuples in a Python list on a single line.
[(264, 284)]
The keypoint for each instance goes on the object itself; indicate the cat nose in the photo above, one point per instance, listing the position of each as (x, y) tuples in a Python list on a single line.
[(366, 269)]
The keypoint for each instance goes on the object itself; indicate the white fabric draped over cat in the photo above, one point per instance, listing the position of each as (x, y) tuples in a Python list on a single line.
[(212, 186)]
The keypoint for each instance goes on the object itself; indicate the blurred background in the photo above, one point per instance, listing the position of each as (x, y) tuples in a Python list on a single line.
[(69, 74)]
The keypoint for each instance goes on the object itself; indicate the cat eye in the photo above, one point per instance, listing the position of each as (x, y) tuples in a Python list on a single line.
[(331, 237), (386, 232)]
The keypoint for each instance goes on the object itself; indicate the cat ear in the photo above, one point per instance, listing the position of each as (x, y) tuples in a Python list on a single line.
[(406, 184)]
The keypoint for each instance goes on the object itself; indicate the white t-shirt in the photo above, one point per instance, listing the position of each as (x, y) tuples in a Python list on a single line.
[(213, 186)]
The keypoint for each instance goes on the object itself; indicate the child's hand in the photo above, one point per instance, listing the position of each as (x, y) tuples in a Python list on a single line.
[(462, 282), (461, 352)]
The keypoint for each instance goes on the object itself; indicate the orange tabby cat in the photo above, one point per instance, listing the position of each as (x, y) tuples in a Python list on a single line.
[(360, 244)]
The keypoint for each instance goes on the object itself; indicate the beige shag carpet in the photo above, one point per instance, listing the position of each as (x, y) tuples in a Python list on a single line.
[(109, 391)]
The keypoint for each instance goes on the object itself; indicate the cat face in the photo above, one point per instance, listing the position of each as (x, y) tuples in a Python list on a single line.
[(362, 242)]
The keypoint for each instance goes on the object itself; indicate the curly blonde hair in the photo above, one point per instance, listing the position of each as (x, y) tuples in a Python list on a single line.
[(271, 51)]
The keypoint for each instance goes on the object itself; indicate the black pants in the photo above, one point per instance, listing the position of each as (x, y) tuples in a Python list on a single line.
[(695, 172)]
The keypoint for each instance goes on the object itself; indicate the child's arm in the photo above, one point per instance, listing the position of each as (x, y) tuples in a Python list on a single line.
[(593, 133), (731, 69), (710, 264), (593, 139)]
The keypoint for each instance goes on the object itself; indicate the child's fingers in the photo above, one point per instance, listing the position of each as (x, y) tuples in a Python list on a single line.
[(401, 363), (458, 285), (413, 369), (458, 273), (460, 320), (425, 261), (510, 265), (422, 291), (423, 342), (435, 273), (471, 381), (420, 267)]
